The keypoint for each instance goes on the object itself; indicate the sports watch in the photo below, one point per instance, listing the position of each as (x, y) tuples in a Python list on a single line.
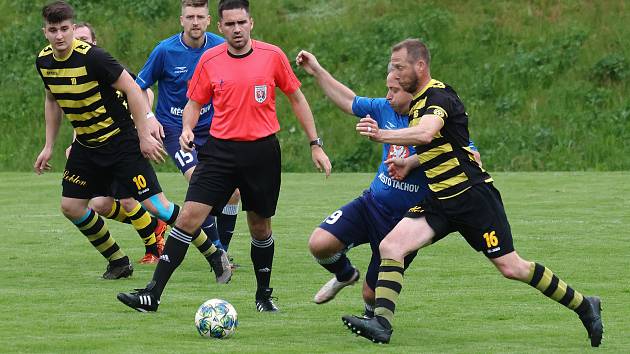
[(319, 142)]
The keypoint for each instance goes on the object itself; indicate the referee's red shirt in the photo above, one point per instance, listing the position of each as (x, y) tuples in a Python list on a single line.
[(242, 90)]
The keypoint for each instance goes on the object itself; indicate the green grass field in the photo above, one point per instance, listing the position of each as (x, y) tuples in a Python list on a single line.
[(52, 299)]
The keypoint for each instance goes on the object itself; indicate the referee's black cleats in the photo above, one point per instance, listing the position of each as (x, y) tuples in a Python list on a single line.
[(264, 301), (592, 320), (141, 300), (370, 328)]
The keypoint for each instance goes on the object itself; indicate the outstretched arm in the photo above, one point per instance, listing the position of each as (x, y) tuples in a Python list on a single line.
[(419, 134), (337, 92), (304, 115)]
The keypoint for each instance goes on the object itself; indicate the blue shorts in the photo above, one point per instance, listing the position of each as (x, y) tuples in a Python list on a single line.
[(183, 160), (363, 221)]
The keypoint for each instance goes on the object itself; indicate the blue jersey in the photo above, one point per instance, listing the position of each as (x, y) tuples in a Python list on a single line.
[(396, 197), (172, 64)]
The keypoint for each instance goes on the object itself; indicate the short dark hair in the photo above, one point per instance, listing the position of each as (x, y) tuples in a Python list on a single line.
[(57, 12), (416, 50), (194, 3), (233, 4), (90, 27)]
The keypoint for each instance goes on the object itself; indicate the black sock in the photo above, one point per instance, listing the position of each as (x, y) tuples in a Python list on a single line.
[(226, 222), (173, 255), (339, 265), (262, 259)]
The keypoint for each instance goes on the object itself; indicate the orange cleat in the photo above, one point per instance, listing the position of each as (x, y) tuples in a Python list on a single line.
[(159, 231), (149, 258)]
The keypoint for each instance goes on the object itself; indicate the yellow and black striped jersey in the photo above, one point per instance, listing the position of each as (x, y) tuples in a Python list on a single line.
[(447, 160), (81, 84)]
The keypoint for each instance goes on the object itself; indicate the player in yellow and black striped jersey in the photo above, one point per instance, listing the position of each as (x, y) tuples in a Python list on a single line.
[(82, 81), (463, 199)]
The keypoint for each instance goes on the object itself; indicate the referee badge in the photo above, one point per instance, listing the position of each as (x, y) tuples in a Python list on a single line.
[(260, 93)]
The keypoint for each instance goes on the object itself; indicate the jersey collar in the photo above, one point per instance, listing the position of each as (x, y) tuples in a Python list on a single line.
[(424, 89), (75, 42), (181, 40)]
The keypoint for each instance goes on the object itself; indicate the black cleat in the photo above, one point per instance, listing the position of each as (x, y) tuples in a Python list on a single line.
[(118, 271), (221, 266), (370, 328), (592, 320), (141, 300), (264, 301)]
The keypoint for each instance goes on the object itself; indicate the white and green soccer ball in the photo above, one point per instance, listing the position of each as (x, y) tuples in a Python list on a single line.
[(216, 318)]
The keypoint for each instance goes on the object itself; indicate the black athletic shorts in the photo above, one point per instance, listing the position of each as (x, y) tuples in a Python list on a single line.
[(477, 214), (251, 166), (115, 169)]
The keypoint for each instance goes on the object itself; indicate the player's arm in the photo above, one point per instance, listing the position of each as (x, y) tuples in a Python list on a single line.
[(150, 146), (337, 92), (52, 116), (305, 116), (419, 134), (149, 97), (190, 117)]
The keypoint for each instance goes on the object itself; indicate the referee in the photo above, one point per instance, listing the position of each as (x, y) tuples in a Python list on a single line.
[(240, 78)]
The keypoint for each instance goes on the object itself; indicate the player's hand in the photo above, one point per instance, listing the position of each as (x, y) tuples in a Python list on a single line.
[(151, 148), (397, 167), (308, 62), (186, 140), (41, 164), (155, 129), (369, 127), (68, 149), (320, 160)]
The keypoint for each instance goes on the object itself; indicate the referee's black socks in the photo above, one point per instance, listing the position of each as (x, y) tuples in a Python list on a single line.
[(262, 259)]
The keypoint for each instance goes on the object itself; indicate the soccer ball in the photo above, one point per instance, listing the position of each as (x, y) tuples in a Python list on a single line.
[(216, 318)]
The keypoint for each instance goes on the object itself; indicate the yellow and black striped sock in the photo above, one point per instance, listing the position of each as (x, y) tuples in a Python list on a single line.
[(145, 225), (388, 287), (543, 279), (95, 229), (118, 213), (203, 244)]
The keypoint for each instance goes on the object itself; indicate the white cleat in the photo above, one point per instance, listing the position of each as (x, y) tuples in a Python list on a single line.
[(333, 286)]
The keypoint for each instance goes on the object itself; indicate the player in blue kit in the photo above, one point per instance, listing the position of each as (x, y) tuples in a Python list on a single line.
[(171, 64), (368, 218)]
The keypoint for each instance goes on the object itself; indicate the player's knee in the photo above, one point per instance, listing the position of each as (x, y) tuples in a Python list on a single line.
[(71, 210), (510, 271), (102, 206), (128, 204), (318, 247), (323, 244), (260, 231), (389, 250)]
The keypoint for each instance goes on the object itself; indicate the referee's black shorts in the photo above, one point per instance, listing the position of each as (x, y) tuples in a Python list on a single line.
[(477, 214), (252, 166)]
